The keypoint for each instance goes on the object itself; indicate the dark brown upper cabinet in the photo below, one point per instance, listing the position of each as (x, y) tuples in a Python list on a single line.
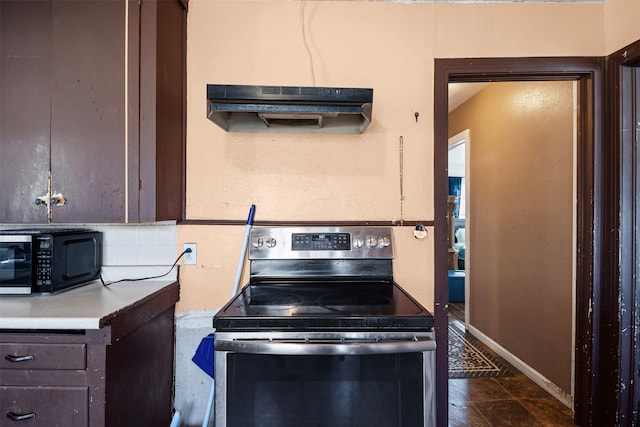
[(92, 107)]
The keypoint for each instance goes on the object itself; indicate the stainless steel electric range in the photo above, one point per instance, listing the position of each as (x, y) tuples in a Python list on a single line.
[(323, 336)]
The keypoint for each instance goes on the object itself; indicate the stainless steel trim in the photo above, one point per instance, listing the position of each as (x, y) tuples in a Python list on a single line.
[(275, 243), (329, 343), (428, 362), (220, 388), (429, 392), (372, 335), (15, 290), (319, 347), (5, 238)]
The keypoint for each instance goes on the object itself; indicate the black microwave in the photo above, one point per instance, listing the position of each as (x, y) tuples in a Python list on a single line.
[(48, 260)]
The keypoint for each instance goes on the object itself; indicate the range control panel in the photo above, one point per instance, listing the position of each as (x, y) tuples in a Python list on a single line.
[(321, 243)]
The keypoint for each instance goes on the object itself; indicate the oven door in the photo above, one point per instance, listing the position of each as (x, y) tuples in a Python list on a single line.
[(324, 379)]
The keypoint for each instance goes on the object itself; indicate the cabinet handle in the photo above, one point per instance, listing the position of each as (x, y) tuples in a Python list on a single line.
[(21, 417), (12, 358)]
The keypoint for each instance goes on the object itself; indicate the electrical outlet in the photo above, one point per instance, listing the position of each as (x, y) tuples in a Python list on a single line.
[(190, 258)]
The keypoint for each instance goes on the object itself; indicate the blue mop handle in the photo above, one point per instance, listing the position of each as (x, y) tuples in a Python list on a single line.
[(236, 284), (252, 211)]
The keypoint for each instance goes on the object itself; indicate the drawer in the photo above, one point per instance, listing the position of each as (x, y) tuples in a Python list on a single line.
[(44, 406), (43, 356)]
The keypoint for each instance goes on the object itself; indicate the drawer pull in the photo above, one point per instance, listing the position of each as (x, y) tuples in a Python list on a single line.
[(12, 358), (21, 417)]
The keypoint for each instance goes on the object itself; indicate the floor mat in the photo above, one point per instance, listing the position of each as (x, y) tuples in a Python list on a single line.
[(467, 359)]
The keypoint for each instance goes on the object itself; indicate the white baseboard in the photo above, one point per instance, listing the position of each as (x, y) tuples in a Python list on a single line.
[(535, 376)]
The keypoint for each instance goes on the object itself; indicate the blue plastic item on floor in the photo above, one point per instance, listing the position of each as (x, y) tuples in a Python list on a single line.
[(456, 285), (204, 358), (175, 421), (204, 355)]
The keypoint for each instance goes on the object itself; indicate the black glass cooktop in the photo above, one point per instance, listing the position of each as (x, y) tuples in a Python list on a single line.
[(333, 305)]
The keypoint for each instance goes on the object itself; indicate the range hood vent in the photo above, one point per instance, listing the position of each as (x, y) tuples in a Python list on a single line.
[(238, 108)]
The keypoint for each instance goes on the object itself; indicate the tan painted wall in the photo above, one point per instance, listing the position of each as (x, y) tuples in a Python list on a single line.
[(521, 220), (621, 22), (387, 46)]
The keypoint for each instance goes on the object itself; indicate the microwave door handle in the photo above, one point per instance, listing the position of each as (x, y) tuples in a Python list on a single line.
[(325, 348)]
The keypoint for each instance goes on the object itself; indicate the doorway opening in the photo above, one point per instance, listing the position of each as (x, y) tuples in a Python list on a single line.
[(519, 224), (586, 73)]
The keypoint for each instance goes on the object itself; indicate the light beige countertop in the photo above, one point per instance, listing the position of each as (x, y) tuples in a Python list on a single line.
[(90, 306)]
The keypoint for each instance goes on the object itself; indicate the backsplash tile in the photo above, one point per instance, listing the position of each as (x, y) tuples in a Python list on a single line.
[(139, 244), (144, 244), (126, 235)]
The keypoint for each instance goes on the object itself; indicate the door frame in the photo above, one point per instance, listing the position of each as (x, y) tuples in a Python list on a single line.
[(465, 137), (588, 72), (620, 328)]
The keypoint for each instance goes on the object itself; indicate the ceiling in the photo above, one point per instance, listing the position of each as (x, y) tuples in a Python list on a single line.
[(459, 93)]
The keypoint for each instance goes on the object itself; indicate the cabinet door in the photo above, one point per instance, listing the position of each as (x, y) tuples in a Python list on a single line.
[(88, 141), (25, 96), (91, 109)]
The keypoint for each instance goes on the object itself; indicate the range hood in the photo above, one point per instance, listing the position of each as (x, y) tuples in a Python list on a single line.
[(239, 108)]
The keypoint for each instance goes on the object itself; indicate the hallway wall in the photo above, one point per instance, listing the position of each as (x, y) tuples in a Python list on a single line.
[(520, 253)]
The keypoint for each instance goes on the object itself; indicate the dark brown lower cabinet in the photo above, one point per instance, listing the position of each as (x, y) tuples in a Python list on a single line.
[(119, 375)]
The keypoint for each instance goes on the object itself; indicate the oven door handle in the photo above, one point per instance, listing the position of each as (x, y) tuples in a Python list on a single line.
[(311, 347)]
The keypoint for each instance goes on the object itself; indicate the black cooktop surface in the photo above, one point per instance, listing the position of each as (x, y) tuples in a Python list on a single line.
[(333, 305)]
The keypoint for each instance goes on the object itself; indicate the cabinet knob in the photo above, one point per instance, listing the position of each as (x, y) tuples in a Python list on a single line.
[(21, 417), (56, 199)]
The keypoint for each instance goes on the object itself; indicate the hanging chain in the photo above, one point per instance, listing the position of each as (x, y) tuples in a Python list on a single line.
[(401, 153)]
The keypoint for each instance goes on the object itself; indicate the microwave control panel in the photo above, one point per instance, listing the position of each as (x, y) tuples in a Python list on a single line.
[(43, 257)]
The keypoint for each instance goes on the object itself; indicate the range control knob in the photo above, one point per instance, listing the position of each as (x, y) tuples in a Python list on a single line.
[(257, 242), (372, 241), (384, 241), (358, 242), (271, 242)]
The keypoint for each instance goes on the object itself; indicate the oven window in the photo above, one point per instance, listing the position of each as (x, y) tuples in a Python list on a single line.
[(384, 390)]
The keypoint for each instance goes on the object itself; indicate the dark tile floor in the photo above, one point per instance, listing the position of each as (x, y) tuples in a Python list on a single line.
[(502, 401)]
